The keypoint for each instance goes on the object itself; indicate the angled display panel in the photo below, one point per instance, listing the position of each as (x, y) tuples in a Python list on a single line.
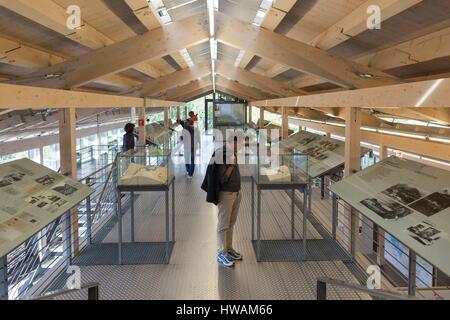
[(410, 200), (32, 196), (325, 154)]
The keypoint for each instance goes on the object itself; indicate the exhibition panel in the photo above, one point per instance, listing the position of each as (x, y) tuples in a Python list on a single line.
[(32, 196), (409, 200), (326, 155)]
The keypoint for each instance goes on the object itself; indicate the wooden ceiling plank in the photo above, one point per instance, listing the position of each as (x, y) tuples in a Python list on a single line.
[(255, 80), (196, 85), (116, 57), (16, 54), (195, 94), (174, 79), (238, 87), (354, 24), (50, 15), (144, 13), (272, 19), (297, 55)]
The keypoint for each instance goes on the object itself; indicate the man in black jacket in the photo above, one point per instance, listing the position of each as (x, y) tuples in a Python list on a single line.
[(223, 186)]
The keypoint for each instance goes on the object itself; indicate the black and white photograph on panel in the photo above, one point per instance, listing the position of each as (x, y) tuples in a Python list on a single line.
[(424, 233), (46, 180), (432, 204), (404, 193), (386, 208), (66, 189)]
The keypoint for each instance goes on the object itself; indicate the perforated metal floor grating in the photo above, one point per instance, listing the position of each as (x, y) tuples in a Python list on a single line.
[(133, 253), (292, 250), (193, 272)]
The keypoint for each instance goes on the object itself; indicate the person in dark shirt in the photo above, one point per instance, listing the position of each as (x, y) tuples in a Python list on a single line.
[(229, 182), (129, 138), (191, 144)]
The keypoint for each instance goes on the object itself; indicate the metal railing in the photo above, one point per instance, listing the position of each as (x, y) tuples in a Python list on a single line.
[(367, 244), (322, 283), (92, 288), (30, 269)]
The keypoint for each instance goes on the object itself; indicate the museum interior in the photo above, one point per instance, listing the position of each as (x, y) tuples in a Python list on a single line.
[(341, 114)]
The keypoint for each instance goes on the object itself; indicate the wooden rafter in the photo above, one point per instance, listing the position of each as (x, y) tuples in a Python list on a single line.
[(52, 16), (298, 55), (255, 80), (175, 79), (125, 54)]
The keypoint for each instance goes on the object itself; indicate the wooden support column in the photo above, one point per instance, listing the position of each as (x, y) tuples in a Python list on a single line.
[(284, 123), (166, 118), (68, 158), (250, 116), (178, 113), (383, 152), (381, 248), (142, 116), (261, 117), (352, 165)]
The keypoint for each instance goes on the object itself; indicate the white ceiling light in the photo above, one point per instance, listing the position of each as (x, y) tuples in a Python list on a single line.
[(186, 56), (239, 58), (265, 6), (161, 12)]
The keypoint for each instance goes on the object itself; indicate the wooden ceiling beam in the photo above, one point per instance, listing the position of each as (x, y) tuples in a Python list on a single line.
[(252, 79), (175, 93), (353, 24), (17, 54), (232, 92), (238, 87), (144, 13), (423, 94), (50, 15), (125, 54), (195, 94), (271, 21), (26, 97), (174, 79), (297, 55)]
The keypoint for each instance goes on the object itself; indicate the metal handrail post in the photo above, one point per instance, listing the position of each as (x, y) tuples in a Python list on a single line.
[(412, 273), (321, 293), (88, 220), (4, 278)]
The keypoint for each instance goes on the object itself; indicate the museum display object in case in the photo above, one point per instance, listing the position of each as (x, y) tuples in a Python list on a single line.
[(279, 172), (407, 199), (144, 167), (281, 168)]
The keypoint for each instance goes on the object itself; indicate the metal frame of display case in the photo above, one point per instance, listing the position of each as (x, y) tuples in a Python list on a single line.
[(306, 186), (170, 240)]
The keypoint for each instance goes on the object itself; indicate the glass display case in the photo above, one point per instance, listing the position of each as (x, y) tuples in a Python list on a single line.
[(144, 167), (281, 168)]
